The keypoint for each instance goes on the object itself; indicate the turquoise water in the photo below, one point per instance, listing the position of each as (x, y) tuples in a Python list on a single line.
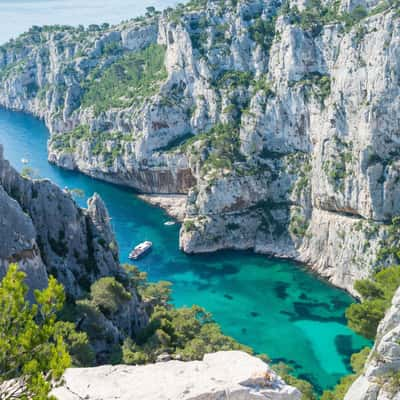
[(274, 306)]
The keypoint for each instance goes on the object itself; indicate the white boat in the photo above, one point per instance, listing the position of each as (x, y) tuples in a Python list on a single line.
[(24, 161), (169, 223), (140, 250)]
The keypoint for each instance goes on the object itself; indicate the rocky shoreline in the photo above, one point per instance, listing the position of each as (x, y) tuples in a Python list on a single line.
[(280, 133), (173, 204)]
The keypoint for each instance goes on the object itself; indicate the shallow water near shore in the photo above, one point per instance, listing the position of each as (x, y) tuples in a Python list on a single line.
[(277, 307)]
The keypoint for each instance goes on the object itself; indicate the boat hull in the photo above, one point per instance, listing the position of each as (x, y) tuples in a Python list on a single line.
[(144, 252)]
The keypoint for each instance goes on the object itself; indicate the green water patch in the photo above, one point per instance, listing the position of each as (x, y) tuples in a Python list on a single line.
[(276, 307)]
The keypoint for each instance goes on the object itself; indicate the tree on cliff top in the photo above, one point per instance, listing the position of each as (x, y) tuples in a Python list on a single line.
[(32, 353), (377, 294)]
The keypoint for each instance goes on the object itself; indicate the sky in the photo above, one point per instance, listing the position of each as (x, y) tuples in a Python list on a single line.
[(17, 16)]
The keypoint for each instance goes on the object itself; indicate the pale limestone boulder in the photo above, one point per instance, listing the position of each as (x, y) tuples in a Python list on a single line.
[(332, 103), (230, 375)]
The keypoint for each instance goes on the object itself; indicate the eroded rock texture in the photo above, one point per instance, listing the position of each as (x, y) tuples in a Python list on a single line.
[(282, 131), (230, 375), (47, 233), (380, 379)]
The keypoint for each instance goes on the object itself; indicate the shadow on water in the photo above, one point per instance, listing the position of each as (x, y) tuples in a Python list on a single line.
[(276, 307)]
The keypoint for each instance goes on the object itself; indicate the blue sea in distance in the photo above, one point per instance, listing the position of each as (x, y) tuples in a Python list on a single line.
[(17, 16), (276, 307)]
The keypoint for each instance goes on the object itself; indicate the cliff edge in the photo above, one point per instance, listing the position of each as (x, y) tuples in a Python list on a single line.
[(232, 375)]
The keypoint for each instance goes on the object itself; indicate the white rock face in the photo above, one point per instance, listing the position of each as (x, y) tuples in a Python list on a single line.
[(378, 381), (47, 233), (47, 218), (313, 115), (18, 243), (231, 375), (174, 204)]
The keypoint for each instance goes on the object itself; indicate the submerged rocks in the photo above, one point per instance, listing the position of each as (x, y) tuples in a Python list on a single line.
[(309, 111), (232, 375)]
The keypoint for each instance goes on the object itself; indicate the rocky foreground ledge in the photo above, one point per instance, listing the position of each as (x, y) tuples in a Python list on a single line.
[(381, 376), (232, 375)]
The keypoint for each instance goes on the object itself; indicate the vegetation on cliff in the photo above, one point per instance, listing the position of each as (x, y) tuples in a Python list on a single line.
[(357, 364), (184, 333), (131, 79), (127, 82), (41, 343), (33, 352), (376, 294), (316, 14)]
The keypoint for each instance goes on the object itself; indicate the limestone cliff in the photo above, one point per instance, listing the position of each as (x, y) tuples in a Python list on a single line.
[(381, 377), (77, 246), (279, 121), (46, 232), (229, 375), (18, 242)]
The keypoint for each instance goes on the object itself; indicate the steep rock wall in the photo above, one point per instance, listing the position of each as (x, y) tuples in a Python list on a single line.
[(77, 246), (380, 378), (47, 233), (18, 237)]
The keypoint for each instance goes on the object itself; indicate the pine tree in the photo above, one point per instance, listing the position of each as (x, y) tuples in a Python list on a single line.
[(32, 353)]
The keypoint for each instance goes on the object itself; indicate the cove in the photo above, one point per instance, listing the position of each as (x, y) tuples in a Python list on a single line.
[(276, 307)]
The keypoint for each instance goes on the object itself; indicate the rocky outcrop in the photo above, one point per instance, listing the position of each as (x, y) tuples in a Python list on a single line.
[(230, 375), (47, 233), (18, 243), (77, 246), (173, 204), (381, 376), (280, 128)]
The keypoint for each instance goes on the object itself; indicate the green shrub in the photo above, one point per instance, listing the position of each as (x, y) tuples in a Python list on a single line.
[(187, 332), (316, 15), (377, 294), (158, 293), (357, 363), (33, 352), (262, 84), (317, 84), (28, 172), (390, 246), (339, 166), (223, 147), (358, 360), (132, 354), (234, 79), (137, 278), (263, 32), (305, 387), (340, 389), (298, 224), (393, 381), (129, 80), (108, 295), (77, 343), (93, 319)]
